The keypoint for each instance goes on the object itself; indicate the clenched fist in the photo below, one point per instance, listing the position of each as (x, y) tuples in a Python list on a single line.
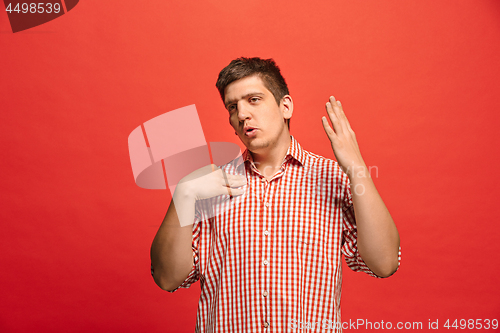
[(204, 183)]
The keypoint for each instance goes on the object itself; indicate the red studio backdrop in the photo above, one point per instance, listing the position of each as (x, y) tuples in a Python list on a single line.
[(419, 81)]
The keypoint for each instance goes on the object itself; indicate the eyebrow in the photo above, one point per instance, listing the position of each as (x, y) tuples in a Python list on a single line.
[(243, 97)]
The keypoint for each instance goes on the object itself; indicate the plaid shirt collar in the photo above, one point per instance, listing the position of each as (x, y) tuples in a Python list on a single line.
[(294, 152)]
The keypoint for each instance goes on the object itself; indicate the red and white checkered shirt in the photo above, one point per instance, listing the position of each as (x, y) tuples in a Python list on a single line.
[(272, 261)]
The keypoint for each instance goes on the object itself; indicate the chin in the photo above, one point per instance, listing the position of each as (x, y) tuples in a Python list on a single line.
[(256, 145)]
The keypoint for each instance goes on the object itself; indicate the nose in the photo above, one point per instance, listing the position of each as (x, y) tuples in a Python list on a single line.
[(243, 111)]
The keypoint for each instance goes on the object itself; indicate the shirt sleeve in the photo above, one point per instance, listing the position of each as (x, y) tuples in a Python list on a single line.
[(194, 274), (350, 237)]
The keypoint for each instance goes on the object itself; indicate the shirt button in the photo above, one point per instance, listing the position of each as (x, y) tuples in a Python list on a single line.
[(265, 293), (267, 204), (265, 262), (263, 180), (266, 324), (266, 232)]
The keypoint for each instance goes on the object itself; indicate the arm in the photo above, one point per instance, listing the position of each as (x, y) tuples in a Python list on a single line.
[(171, 251), (378, 237)]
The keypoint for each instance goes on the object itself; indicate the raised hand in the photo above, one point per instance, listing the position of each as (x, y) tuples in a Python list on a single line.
[(342, 138), (378, 237)]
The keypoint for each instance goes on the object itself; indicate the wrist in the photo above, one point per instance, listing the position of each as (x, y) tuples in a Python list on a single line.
[(356, 171)]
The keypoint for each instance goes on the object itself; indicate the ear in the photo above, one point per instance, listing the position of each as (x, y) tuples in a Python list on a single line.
[(287, 106)]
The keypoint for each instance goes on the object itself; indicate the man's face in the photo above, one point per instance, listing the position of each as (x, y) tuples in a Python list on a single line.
[(254, 114)]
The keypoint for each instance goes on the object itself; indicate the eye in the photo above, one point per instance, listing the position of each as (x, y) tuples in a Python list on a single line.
[(254, 99), (231, 107)]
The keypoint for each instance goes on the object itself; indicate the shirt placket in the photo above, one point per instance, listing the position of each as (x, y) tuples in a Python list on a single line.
[(268, 189)]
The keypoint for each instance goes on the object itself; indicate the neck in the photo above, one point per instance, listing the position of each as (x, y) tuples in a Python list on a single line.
[(269, 160)]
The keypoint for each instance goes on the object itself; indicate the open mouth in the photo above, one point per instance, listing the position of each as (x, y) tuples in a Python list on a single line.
[(250, 131)]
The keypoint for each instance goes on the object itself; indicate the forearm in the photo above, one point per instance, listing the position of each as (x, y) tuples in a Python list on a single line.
[(171, 251), (378, 237)]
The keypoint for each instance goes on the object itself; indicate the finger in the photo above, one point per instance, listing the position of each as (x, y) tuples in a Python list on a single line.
[(328, 130), (232, 192), (236, 177), (339, 111), (237, 191), (334, 118), (236, 180), (343, 115), (235, 183)]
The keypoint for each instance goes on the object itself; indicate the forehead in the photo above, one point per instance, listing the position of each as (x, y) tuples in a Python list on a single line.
[(242, 87)]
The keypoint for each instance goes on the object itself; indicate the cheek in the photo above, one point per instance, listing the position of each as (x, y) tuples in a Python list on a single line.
[(232, 120)]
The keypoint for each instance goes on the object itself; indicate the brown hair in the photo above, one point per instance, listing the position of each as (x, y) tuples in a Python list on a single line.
[(266, 69)]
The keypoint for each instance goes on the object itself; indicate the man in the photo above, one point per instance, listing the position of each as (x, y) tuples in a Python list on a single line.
[(271, 263)]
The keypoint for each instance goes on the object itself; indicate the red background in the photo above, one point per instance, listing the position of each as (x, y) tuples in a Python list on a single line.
[(419, 81)]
